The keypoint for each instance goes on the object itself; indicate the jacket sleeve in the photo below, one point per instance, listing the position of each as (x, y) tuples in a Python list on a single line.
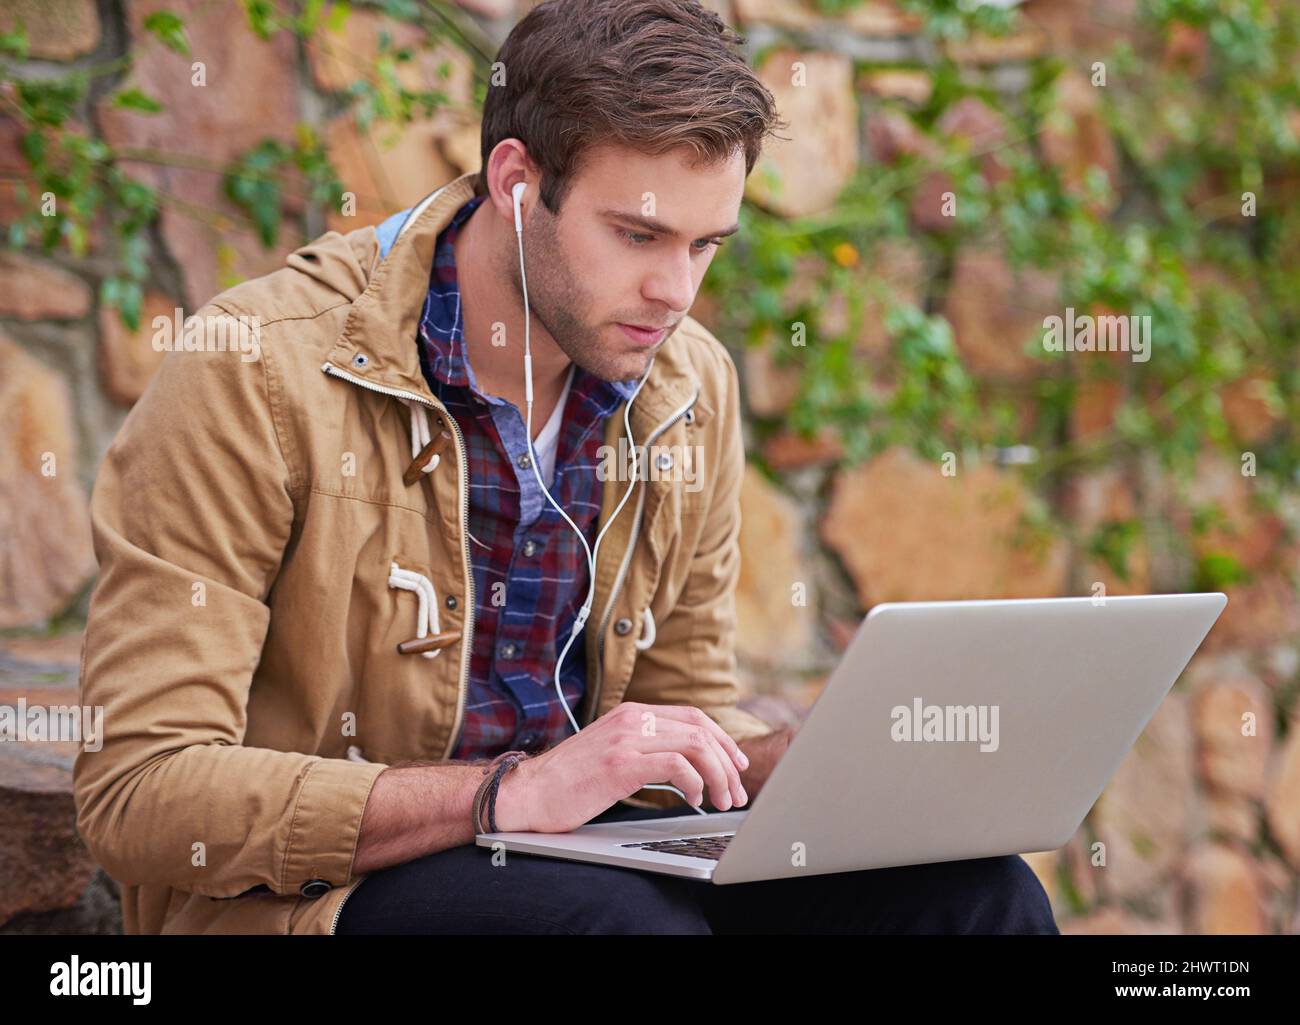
[(693, 658), (191, 513)]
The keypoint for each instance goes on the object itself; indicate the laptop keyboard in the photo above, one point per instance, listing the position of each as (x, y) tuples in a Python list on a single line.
[(710, 847)]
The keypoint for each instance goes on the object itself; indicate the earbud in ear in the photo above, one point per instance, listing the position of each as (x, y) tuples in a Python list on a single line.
[(517, 191)]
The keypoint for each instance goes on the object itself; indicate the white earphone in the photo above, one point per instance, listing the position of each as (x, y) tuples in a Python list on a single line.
[(580, 621)]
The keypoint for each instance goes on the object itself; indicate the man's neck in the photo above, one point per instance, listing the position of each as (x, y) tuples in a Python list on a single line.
[(485, 302)]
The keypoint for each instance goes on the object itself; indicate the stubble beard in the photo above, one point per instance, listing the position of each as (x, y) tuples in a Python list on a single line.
[(559, 303)]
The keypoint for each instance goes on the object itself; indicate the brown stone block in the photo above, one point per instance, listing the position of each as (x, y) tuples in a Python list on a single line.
[(1240, 526), (1250, 409), (982, 133), (1077, 858), (1144, 816), (769, 389), (1282, 802), (1260, 613), (386, 170), (13, 166), (1231, 817), (931, 203), (803, 171), (1227, 892), (1024, 44), (997, 312), (1187, 50), (771, 628), (1232, 712), (45, 547), (790, 451), (869, 18), (43, 863), (1075, 139), (1089, 27), (1092, 502), (56, 29), (127, 359), (1096, 401), (338, 60), (911, 85), (32, 289), (905, 532), (892, 135)]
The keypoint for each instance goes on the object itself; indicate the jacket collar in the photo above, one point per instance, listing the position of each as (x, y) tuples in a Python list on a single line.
[(378, 344)]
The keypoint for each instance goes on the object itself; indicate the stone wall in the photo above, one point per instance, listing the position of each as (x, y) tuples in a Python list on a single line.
[(1201, 825)]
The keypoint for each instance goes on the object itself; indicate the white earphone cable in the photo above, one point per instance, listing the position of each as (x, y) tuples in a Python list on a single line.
[(584, 612)]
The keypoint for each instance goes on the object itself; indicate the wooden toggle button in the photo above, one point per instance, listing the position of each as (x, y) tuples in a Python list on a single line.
[(434, 642), (434, 448)]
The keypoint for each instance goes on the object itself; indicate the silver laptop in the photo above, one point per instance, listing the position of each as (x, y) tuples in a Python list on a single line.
[(949, 730)]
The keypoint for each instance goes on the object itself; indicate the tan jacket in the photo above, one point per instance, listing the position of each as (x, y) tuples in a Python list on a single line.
[(262, 554)]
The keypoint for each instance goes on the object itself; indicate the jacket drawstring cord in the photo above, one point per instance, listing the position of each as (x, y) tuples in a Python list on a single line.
[(647, 637), (420, 435), (409, 580), (420, 438)]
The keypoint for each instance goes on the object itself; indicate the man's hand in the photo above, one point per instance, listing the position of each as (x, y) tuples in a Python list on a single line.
[(763, 754), (630, 746)]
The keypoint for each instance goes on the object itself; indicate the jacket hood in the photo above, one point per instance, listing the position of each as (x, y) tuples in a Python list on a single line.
[(340, 262)]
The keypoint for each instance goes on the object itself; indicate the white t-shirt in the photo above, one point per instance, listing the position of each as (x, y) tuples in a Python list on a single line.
[(548, 440)]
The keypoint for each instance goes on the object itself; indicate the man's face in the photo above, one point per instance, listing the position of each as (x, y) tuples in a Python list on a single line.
[(630, 246)]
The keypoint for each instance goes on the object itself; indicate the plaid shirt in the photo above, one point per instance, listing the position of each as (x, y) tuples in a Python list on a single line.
[(530, 571)]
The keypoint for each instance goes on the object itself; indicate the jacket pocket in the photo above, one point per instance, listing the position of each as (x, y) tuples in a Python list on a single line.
[(259, 888)]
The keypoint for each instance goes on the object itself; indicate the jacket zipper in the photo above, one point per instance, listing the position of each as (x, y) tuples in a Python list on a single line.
[(470, 606), (627, 561), (334, 924)]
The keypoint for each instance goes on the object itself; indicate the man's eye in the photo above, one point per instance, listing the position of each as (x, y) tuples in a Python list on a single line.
[(636, 240)]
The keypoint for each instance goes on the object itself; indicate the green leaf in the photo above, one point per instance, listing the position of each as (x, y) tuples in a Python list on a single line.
[(1216, 571), (169, 30), (1113, 542), (14, 43), (401, 10), (260, 17), (126, 296), (310, 16), (252, 183), (32, 145), (338, 16), (134, 99)]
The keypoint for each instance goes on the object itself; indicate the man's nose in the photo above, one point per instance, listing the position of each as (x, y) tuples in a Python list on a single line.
[(673, 283)]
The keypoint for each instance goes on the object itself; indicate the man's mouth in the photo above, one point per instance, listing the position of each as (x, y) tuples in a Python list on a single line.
[(643, 334)]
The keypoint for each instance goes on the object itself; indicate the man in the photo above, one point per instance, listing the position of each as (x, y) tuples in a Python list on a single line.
[(333, 588)]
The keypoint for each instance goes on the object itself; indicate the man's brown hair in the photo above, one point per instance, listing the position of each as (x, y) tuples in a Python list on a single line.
[(653, 75)]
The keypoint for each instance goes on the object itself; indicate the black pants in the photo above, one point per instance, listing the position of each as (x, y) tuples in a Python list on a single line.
[(460, 892)]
